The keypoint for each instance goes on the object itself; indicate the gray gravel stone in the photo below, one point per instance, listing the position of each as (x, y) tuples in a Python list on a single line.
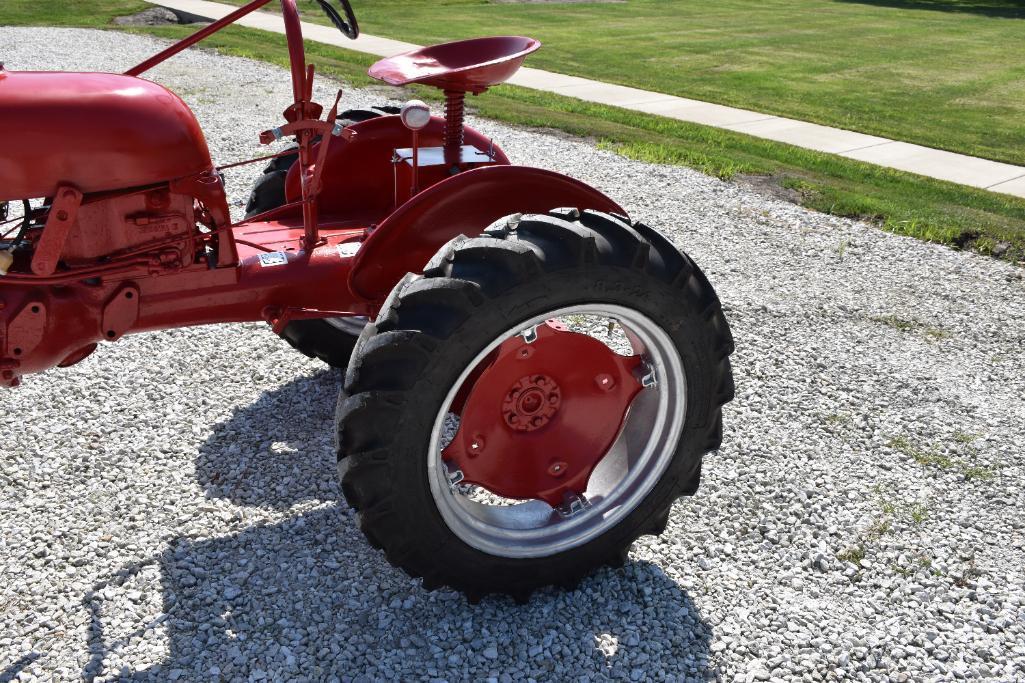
[(170, 509)]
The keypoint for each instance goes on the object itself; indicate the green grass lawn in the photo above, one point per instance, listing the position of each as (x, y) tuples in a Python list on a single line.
[(900, 202)]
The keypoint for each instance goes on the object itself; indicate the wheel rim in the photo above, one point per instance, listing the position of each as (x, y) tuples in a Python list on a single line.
[(623, 476)]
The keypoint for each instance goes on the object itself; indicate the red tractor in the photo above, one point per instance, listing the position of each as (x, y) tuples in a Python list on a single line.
[(531, 378)]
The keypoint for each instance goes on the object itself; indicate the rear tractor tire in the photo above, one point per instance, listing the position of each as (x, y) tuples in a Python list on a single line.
[(521, 413), (329, 339)]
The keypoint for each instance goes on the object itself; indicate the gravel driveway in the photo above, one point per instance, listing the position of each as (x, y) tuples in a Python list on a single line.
[(170, 510)]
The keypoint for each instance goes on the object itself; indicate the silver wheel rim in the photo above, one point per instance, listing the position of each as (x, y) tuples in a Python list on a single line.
[(625, 476), (353, 324)]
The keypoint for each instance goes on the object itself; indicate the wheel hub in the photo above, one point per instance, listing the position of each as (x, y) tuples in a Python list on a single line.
[(531, 402), (542, 414)]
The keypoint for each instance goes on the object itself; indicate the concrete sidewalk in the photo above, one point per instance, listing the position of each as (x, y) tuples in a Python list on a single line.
[(958, 168)]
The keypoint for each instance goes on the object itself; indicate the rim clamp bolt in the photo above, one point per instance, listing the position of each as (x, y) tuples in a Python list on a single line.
[(454, 478), (574, 504), (529, 335), (649, 379)]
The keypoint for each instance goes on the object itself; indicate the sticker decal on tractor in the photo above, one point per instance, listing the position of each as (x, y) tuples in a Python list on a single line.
[(274, 258), (347, 249)]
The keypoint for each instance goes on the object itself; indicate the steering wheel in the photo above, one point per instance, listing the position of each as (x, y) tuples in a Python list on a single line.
[(348, 26)]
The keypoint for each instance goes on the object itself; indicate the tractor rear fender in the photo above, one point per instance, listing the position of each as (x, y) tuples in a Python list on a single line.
[(464, 204)]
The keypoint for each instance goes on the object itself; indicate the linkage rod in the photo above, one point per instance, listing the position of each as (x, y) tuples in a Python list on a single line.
[(199, 35)]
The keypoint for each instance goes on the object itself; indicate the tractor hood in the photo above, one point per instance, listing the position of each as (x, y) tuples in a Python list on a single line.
[(94, 131)]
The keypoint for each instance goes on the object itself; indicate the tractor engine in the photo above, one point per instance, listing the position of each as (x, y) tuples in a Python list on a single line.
[(131, 222), (116, 168), (93, 292), (121, 143)]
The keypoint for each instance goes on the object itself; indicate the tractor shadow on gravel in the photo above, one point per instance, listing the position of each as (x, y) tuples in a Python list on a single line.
[(308, 598), (278, 451)]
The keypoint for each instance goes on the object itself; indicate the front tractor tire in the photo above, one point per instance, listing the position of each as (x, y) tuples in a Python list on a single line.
[(521, 413)]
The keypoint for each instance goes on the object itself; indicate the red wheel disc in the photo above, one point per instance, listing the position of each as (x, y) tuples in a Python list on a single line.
[(539, 418)]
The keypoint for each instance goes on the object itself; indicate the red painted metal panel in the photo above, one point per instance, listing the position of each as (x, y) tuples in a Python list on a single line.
[(535, 425), (133, 221), (466, 65), (121, 312), (47, 326), (26, 329), (463, 204), (94, 131), (58, 224), (289, 278)]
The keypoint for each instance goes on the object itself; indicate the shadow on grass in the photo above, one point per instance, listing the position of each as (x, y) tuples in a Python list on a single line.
[(308, 598), (1010, 9)]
